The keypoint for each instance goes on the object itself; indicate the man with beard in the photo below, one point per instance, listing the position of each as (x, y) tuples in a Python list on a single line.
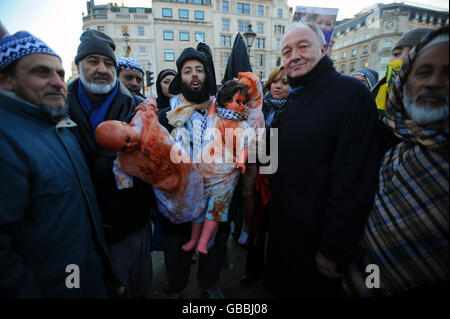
[(327, 170), (51, 236), (406, 236), (95, 97), (192, 89), (131, 74)]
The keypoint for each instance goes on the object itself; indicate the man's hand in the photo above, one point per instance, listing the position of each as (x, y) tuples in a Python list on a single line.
[(241, 166), (326, 266)]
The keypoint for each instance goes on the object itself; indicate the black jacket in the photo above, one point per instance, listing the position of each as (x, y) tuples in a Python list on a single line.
[(123, 211), (326, 178)]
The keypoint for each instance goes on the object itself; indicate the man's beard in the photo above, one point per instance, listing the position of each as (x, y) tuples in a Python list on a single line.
[(195, 96), (425, 114), (56, 113), (97, 88)]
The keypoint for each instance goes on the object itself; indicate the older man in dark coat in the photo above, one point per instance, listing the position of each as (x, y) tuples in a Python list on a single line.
[(327, 171)]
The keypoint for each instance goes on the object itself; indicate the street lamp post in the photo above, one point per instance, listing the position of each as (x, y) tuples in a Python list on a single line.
[(126, 38), (249, 38)]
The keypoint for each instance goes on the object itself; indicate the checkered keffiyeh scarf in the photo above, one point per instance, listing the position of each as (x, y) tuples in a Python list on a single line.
[(407, 231), (434, 135), (272, 108)]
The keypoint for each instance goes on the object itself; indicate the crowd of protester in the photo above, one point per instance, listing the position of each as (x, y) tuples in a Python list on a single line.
[(357, 207)]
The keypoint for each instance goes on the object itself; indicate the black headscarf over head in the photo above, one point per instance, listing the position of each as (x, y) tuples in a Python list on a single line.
[(177, 86), (163, 101)]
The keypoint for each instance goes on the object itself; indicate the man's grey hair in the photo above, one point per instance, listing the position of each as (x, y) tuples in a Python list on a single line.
[(314, 27)]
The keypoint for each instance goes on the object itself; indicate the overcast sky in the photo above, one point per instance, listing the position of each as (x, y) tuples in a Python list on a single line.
[(58, 23)]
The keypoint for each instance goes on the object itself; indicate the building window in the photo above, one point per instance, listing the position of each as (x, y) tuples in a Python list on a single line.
[(198, 1), (142, 49), (259, 59), (352, 67), (260, 27), (184, 35), (200, 36), (259, 43), (225, 6), (280, 13), (141, 31), (225, 57), (225, 40), (168, 34), (278, 61), (242, 26), (367, 36), (243, 8), (343, 68), (344, 55), (387, 45), (260, 10), (101, 28), (140, 10), (225, 25), (169, 55), (364, 64), (353, 52), (199, 15), (278, 43), (335, 58), (345, 43), (279, 29), (167, 13), (384, 60), (183, 14), (366, 49), (355, 40)]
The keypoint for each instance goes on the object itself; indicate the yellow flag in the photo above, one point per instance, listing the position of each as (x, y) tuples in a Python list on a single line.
[(392, 70)]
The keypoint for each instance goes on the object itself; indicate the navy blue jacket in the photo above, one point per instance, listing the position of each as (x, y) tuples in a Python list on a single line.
[(49, 216), (326, 178), (124, 211)]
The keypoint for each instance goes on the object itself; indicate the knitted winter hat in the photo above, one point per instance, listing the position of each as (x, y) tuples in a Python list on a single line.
[(411, 38), (95, 42), (370, 75), (20, 44), (128, 64)]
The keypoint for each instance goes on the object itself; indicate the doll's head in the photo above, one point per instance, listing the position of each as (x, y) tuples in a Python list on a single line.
[(233, 96), (117, 136)]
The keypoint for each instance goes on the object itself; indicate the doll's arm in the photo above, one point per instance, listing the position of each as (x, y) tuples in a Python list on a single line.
[(212, 107)]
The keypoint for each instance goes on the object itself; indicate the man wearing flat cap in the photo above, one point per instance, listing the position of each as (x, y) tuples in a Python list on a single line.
[(95, 97), (51, 236)]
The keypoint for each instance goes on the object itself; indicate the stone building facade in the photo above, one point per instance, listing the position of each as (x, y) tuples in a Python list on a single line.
[(368, 39), (157, 35)]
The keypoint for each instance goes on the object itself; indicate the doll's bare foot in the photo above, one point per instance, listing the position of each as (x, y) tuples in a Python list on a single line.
[(202, 246), (189, 245)]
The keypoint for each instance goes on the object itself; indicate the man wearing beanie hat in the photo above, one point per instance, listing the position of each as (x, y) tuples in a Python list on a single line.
[(131, 74), (368, 76), (95, 97), (51, 237), (192, 87)]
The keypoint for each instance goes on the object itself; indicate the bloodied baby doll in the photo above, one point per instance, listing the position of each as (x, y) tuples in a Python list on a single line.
[(144, 150), (224, 153)]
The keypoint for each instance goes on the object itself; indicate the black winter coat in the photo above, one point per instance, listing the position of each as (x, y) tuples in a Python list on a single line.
[(123, 211), (326, 178)]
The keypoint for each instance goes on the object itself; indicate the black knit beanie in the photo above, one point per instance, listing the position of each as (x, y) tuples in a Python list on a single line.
[(95, 42)]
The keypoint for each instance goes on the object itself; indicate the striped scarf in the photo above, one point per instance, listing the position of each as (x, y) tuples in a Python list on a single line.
[(407, 231), (272, 109)]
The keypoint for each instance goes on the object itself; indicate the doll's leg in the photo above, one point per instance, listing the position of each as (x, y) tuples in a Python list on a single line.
[(195, 235), (209, 228)]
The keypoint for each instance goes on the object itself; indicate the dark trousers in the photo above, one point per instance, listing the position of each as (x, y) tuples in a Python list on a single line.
[(178, 262), (254, 267)]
